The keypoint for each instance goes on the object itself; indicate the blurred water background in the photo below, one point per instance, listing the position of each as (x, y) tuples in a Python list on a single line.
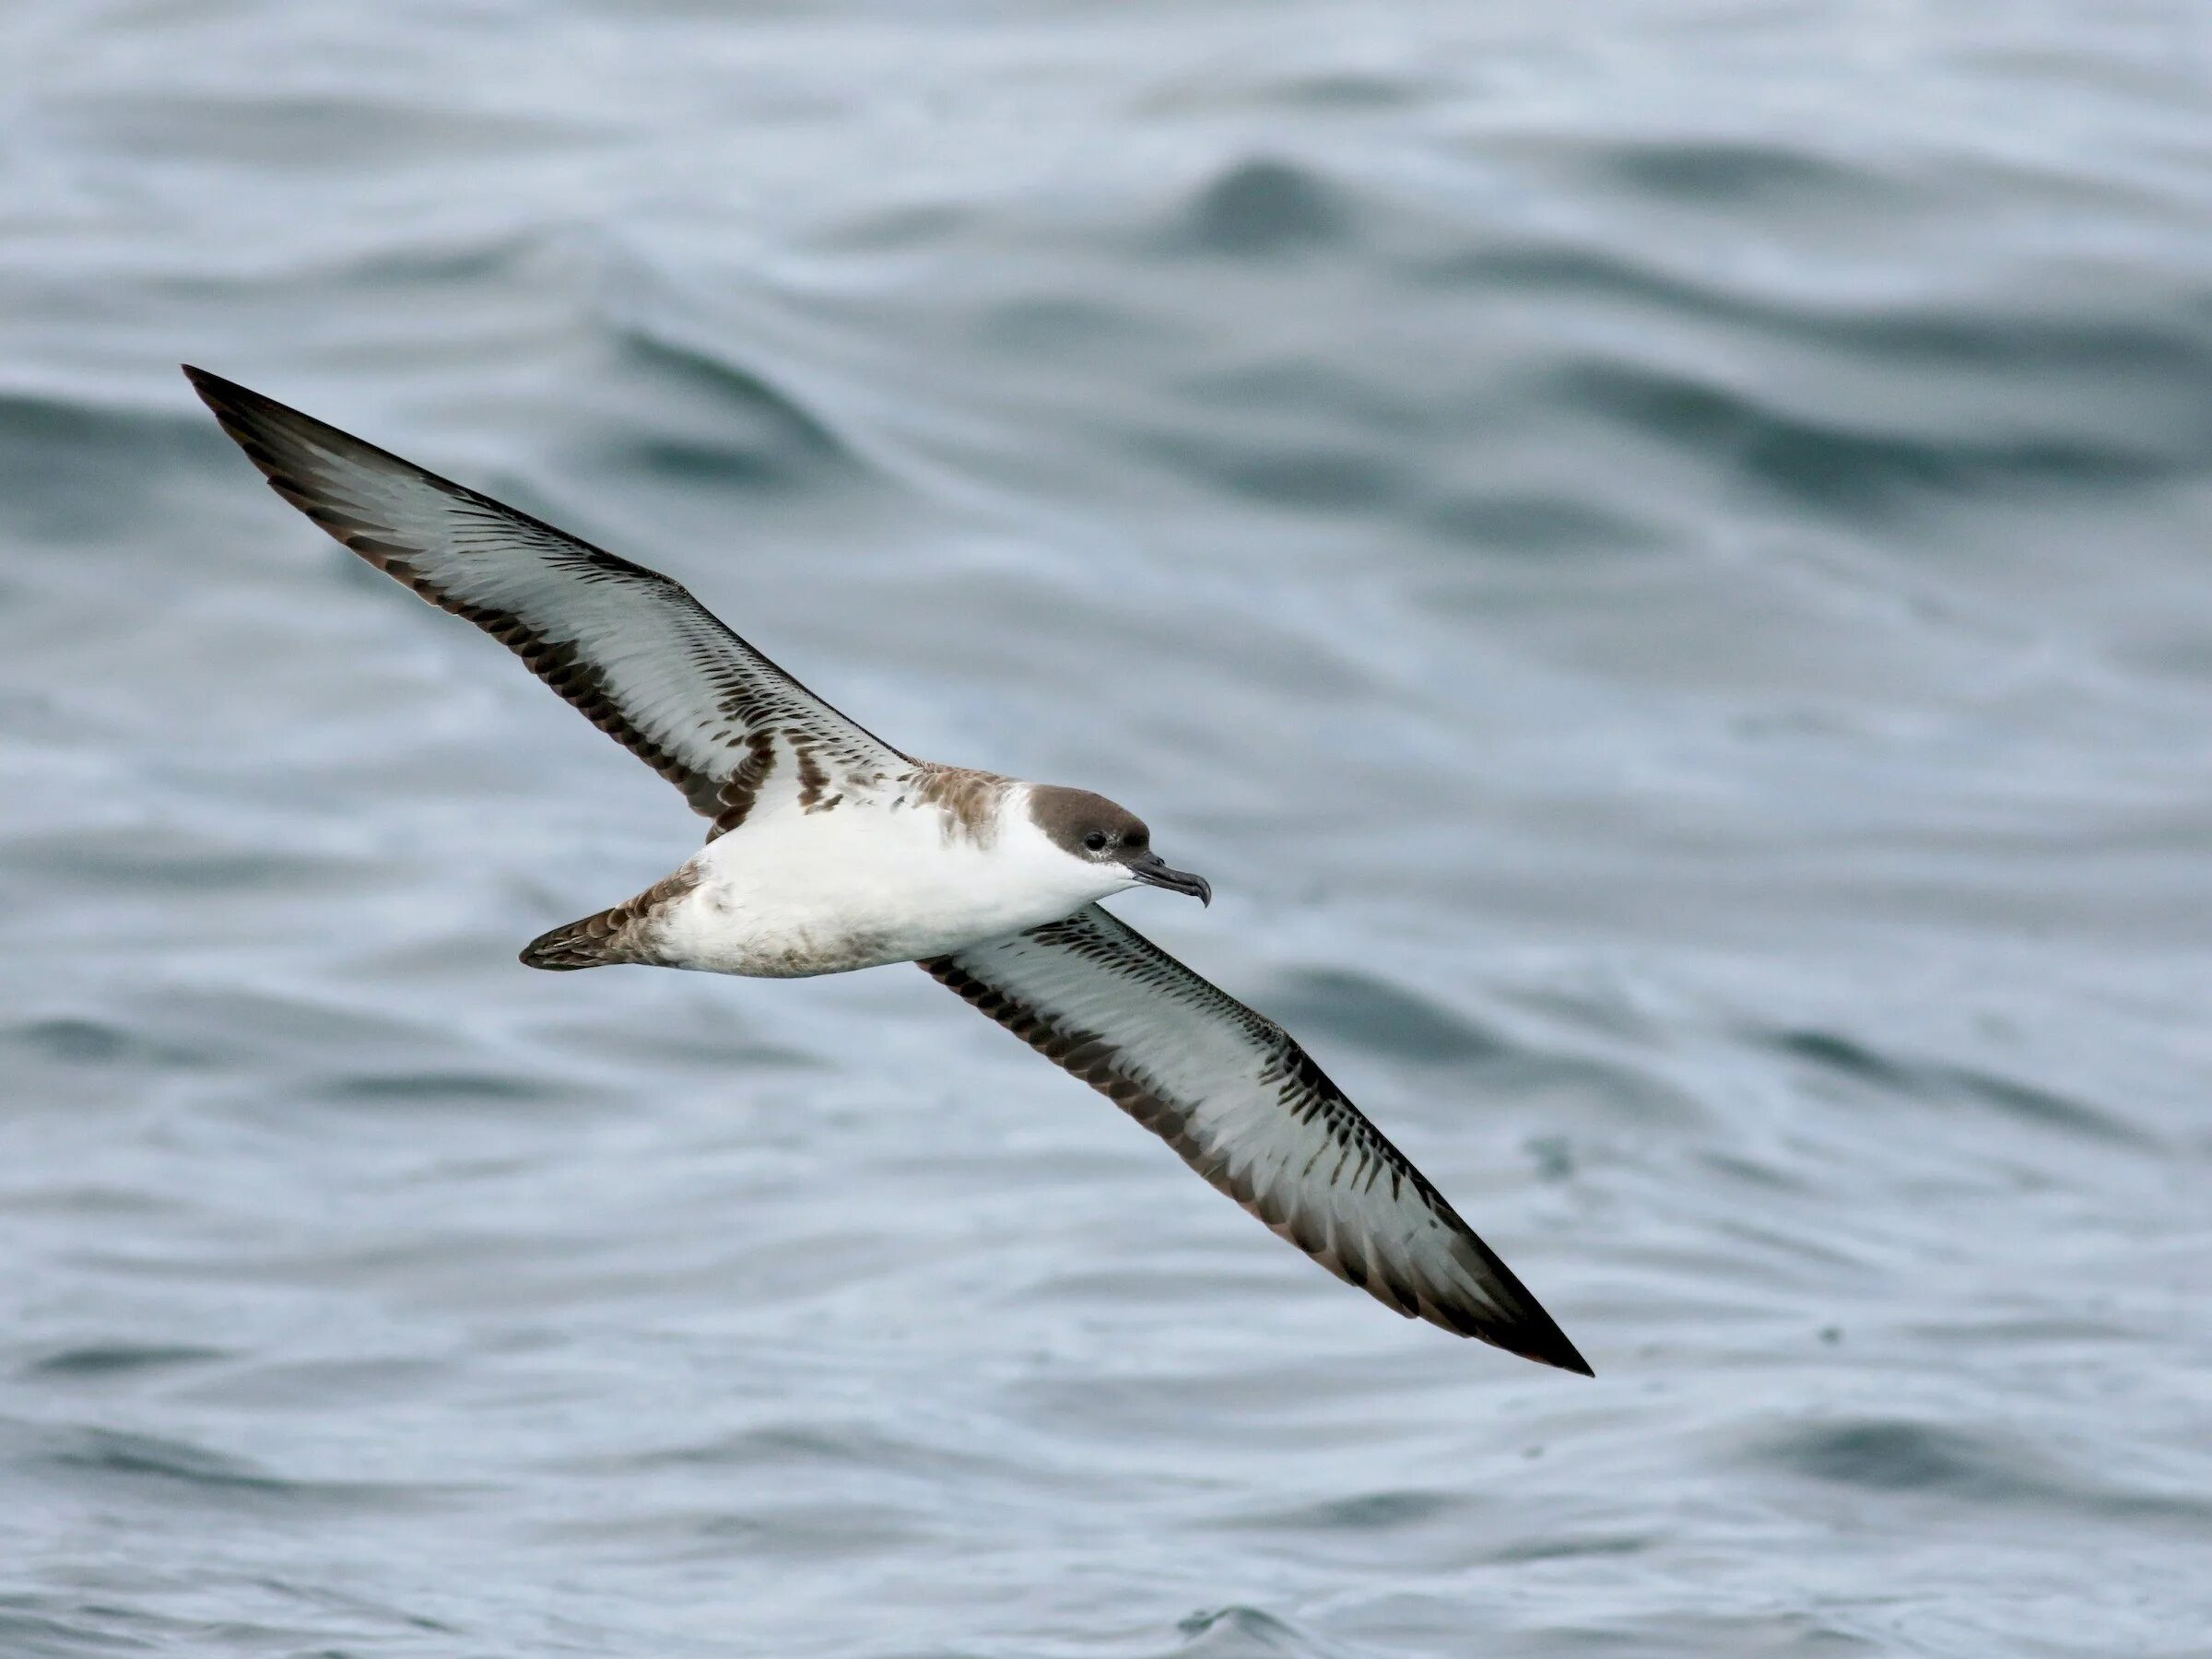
[(1655, 552)]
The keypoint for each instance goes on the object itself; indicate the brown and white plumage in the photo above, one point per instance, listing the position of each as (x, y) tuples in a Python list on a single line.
[(1246, 1107), (643, 660), (828, 850)]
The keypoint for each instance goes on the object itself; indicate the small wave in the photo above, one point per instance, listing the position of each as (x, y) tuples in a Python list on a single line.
[(898, 228), (1534, 523), (769, 436), (79, 1040), (75, 1042), (1339, 397), (1221, 1632), (1371, 1512), (1264, 209), (1702, 171), (1054, 324), (1895, 1455), (303, 130), (784, 1449), (121, 1358), (50, 445), (30, 1630), (1309, 478), (124, 861), (439, 1089), (1370, 1013), (1351, 89), (1841, 1054), (1887, 1455), (1831, 466), (2163, 357), (108, 1451), (1531, 1550), (145, 1459), (1844, 1057)]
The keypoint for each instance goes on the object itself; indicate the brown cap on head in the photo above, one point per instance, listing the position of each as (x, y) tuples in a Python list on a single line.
[(1093, 827), (1088, 825)]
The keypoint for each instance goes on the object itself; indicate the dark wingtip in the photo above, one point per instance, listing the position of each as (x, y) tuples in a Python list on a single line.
[(1509, 1318), (230, 401), (1567, 1359), (1540, 1338)]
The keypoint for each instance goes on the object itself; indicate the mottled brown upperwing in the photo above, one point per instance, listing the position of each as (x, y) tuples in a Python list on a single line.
[(632, 650), (1247, 1107)]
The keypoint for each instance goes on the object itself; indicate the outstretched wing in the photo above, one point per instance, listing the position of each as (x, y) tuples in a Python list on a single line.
[(1248, 1109), (646, 662)]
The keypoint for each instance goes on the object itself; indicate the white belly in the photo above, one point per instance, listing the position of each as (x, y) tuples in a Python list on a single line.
[(792, 893)]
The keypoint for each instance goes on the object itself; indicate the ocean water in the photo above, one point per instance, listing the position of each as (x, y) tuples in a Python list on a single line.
[(1658, 554)]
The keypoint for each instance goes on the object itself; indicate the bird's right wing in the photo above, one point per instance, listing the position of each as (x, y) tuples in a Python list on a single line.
[(1248, 1109), (646, 662)]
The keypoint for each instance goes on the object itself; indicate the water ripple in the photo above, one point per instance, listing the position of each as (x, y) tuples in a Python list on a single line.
[(1265, 209), (1656, 557), (1834, 467)]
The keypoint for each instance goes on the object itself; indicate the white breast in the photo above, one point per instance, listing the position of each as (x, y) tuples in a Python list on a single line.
[(794, 892)]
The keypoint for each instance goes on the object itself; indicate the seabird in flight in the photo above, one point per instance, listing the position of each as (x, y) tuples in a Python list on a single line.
[(828, 850)]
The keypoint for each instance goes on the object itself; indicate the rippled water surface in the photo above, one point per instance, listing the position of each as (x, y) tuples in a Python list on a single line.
[(1659, 555)]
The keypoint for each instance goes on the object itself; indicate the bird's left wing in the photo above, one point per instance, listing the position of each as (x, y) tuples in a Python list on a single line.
[(644, 661), (1248, 1109)]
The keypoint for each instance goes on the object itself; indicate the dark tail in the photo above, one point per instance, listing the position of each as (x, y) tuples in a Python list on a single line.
[(627, 932), (599, 941)]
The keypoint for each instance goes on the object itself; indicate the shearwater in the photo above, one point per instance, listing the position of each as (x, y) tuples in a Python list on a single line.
[(828, 850)]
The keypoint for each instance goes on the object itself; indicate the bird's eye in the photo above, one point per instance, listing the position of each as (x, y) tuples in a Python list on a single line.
[(1096, 840)]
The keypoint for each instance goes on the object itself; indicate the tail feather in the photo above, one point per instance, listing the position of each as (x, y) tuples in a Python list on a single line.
[(622, 933), (599, 941)]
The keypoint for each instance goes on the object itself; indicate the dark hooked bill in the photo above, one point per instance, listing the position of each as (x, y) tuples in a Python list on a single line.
[(1152, 870)]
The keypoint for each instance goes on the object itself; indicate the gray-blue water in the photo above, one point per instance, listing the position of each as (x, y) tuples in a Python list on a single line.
[(1659, 554)]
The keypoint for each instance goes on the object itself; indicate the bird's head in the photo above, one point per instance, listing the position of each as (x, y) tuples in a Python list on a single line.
[(1110, 841)]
